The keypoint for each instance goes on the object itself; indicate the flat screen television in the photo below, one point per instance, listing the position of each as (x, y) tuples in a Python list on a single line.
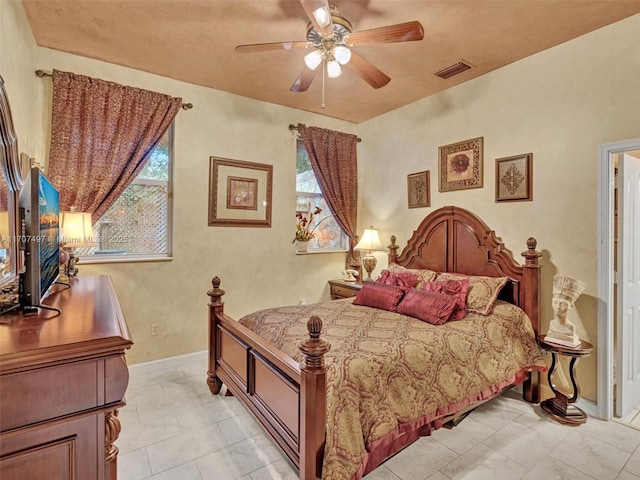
[(39, 208)]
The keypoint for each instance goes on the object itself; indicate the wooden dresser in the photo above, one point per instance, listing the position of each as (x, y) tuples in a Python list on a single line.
[(62, 380)]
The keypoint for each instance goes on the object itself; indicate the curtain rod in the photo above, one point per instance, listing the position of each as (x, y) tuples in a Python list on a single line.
[(42, 74), (293, 127)]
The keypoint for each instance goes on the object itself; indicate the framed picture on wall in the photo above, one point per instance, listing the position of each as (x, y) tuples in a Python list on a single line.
[(514, 177), (418, 190), (239, 193), (242, 193), (460, 166)]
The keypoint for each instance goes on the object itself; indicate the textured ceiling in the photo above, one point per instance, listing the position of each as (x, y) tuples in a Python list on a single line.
[(194, 41)]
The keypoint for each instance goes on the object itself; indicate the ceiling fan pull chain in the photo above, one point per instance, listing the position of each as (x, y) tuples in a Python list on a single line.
[(324, 71)]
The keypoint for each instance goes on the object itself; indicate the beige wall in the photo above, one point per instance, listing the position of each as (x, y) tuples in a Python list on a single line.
[(559, 105), (258, 266), (17, 58)]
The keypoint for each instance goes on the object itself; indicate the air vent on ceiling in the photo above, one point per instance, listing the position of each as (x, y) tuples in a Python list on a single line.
[(454, 69)]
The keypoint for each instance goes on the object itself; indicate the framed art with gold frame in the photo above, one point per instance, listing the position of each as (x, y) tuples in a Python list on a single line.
[(239, 193), (514, 177), (418, 190), (461, 165)]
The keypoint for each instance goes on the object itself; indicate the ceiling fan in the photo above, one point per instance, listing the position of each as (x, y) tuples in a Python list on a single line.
[(331, 39)]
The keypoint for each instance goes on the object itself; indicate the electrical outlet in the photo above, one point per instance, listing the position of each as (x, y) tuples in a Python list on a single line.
[(155, 329)]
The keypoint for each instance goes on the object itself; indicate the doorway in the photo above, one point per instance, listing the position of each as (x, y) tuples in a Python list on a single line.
[(614, 355)]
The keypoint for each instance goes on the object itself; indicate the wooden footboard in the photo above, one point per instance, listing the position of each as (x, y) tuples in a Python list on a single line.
[(288, 399)]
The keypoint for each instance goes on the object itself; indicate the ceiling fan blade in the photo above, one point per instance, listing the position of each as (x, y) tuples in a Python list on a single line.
[(402, 32), (367, 71), (303, 82), (319, 15), (269, 47)]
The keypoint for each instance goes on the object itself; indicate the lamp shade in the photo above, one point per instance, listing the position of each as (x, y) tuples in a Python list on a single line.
[(342, 54), (370, 240), (313, 59), (77, 229), (322, 16), (333, 69)]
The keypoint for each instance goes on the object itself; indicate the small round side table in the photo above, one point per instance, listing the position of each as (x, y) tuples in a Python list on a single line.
[(561, 408)]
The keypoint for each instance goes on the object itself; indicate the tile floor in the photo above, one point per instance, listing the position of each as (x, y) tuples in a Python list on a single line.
[(633, 417), (173, 428)]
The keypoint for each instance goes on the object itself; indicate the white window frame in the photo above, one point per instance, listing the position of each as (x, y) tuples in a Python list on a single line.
[(124, 257)]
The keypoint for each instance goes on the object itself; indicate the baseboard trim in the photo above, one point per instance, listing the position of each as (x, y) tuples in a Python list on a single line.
[(589, 407), (169, 362)]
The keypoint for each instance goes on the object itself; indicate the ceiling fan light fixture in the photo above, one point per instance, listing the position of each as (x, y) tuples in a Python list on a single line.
[(322, 16), (329, 40), (342, 54), (333, 69), (313, 59)]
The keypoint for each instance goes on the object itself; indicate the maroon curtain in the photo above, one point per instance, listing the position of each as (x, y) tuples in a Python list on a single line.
[(335, 163), (101, 136)]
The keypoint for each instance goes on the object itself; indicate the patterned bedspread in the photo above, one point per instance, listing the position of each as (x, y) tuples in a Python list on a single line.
[(387, 369)]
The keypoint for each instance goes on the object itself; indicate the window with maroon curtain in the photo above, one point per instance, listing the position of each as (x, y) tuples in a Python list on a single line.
[(101, 136), (334, 161)]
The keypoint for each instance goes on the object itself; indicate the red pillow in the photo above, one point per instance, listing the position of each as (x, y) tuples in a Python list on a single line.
[(455, 288), (379, 295), (434, 308), (402, 279)]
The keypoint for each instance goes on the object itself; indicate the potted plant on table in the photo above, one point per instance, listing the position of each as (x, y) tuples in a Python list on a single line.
[(305, 229)]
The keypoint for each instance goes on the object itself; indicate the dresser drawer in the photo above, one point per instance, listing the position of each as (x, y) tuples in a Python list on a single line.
[(47, 393), (341, 289), (343, 292)]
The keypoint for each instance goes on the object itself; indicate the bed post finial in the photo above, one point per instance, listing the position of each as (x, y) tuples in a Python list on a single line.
[(314, 325), (216, 293), (393, 250), (314, 349), (531, 255)]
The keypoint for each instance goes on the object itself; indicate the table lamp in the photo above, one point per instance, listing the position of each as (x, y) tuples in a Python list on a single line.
[(369, 241), (77, 233)]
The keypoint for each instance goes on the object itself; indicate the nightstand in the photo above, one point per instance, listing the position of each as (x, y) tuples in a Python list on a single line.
[(341, 289), (561, 408)]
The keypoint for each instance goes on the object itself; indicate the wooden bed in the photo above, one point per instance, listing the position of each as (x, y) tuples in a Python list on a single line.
[(289, 399)]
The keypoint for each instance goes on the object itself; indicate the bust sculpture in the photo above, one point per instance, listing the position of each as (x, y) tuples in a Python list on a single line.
[(565, 292)]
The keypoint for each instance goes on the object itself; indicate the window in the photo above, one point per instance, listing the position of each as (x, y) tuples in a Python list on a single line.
[(138, 224), (329, 235)]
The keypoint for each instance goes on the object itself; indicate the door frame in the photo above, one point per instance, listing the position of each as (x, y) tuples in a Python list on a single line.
[(606, 340)]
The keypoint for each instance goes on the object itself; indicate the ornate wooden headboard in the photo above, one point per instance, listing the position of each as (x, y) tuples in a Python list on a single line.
[(452, 239)]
